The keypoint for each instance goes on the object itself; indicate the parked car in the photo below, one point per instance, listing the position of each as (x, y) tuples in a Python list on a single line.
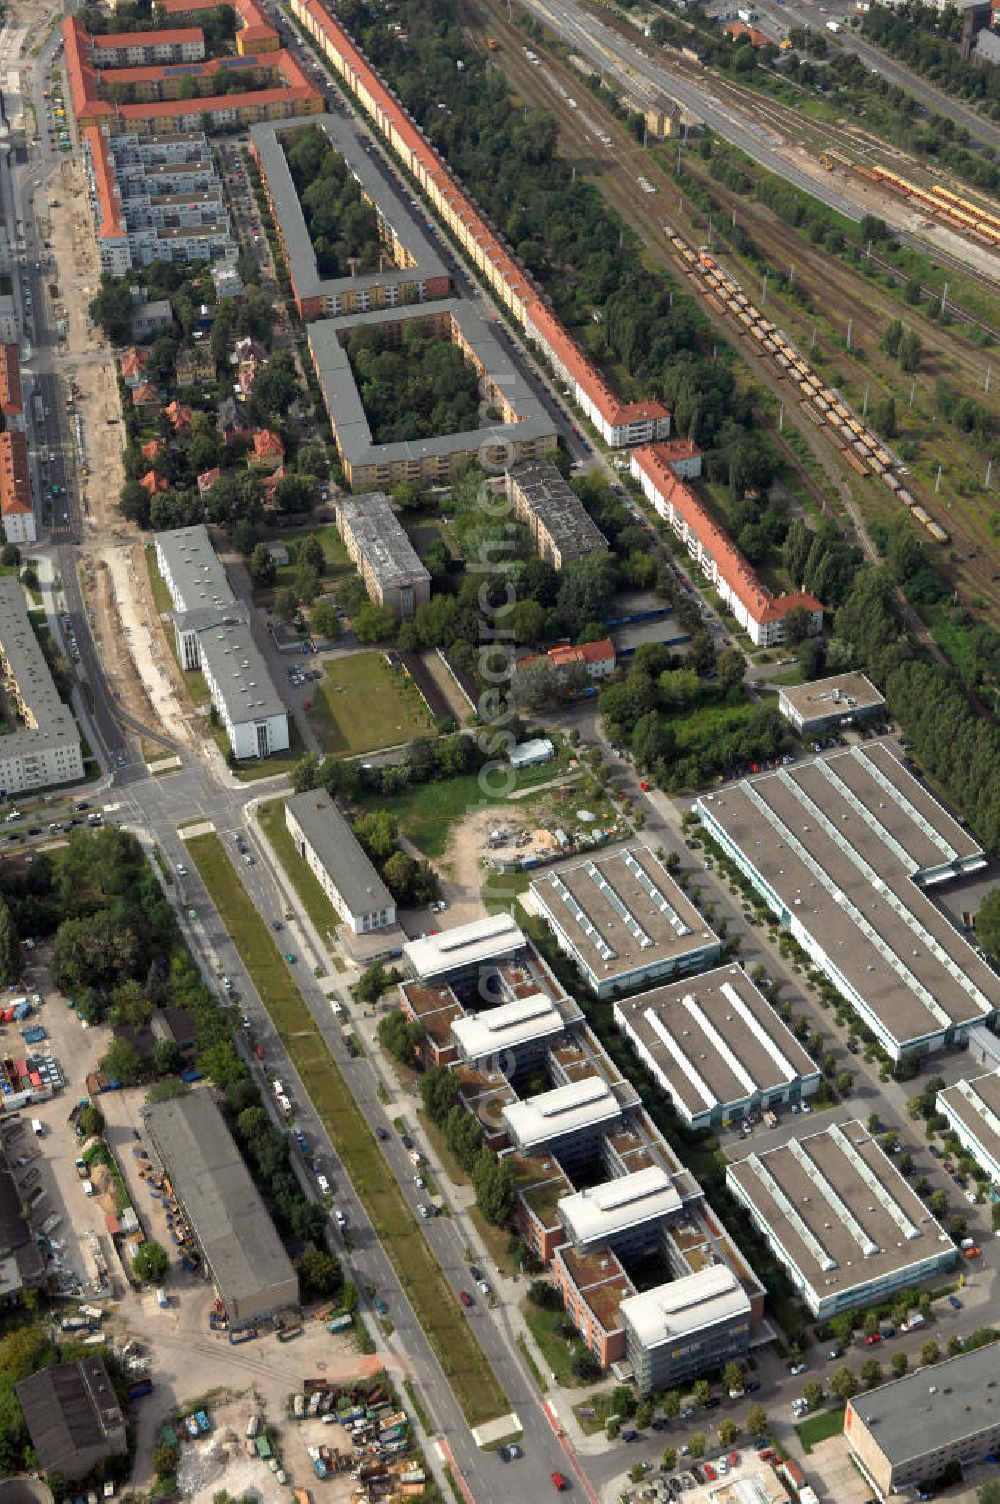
[(465, 1297), (954, 1302)]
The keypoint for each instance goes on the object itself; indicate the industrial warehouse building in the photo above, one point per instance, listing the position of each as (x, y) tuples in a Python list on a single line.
[(214, 635), (906, 1433), (328, 845), (73, 1417), (252, 1274), (42, 746), (380, 548), (842, 848), (623, 920), (827, 704), (411, 268), (973, 1112), (561, 528), (716, 1047), (841, 1218)]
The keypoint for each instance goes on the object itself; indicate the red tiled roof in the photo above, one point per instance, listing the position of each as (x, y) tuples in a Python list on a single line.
[(733, 568), (736, 29), (153, 450), (207, 479), (180, 416), (153, 481), (586, 652), (11, 396), (175, 37), (134, 362), (265, 442), (15, 480), (145, 395), (677, 449), (112, 220)]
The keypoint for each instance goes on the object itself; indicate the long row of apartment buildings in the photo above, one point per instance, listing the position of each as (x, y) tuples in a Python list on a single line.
[(17, 509)]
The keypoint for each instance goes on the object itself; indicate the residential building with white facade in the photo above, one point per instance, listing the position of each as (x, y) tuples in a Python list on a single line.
[(326, 842), (43, 745)]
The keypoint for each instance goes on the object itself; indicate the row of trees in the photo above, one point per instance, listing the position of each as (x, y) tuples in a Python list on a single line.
[(342, 226), (928, 41), (411, 882)]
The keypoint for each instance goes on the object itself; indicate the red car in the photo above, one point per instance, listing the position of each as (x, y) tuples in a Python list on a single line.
[(644, 785), (709, 1471), (733, 1459), (465, 1297), (872, 1338), (948, 1167), (559, 1483)]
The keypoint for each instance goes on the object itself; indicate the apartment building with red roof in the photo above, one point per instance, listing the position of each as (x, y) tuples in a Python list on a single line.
[(759, 612), (16, 507)]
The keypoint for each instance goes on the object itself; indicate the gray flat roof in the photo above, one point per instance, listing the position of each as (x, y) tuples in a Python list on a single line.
[(238, 668), (839, 1209), (54, 723), (621, 912), (841, 694), (934, 1407), (380, 538), (844, 842), (976, 1105), (228, 1217), (555, 504), (403, 222), (198, 574), (340, 852), (343, 400), (713, 1039)]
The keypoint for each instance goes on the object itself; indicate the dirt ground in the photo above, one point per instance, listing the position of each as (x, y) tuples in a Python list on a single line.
[(457, 703)]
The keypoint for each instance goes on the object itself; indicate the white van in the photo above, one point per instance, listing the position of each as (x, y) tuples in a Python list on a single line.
[(36, 1127)]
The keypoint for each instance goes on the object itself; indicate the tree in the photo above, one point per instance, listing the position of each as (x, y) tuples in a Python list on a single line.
[(757, 1421), (91, 1121), (870, 1323), (702, 1391), (731, 668), (796, 625), (910, 349), (900, 1363), (937, 1203), (812, 1393), (989, 1493), (150, 1264), (400, 1036), (167, 1058), (439, 1093), (672, 1404), (10, 947), (696, 1445), (324, 621), (373, 623), (987, 923), (843, 1384), (727, 1431), (929, 1352), (111, 308), (871, 1373), (122, 1062), (374, 980), (286, 603), (320, 1275), (669, 1459), (733, 1377), (262, 566), (884, 418), (495, 1188)]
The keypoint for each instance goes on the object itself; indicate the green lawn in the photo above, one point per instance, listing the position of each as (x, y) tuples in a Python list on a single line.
[(441, 1317), (161, 595), (427, 812), (362, 704), (334, 552), (249, 769), (547, 1329), (315, 902), (820, 1427), (602, 1408)]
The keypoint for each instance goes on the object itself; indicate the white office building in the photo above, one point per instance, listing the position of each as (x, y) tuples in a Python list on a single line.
[(328, 845)]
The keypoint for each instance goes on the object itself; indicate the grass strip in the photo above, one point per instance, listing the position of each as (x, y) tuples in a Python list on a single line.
[(463, 1361), (820, 1427), (305, 882)]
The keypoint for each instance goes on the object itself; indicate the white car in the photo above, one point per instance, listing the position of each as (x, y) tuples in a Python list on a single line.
[(324, 1186), (418, 1181), (340, 1219), (416, 1158), (484, 1287), (182, 871)]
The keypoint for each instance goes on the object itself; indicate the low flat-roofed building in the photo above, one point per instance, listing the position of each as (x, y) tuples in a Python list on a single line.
[(579, 1113), (561, 528), (973, 1112), (822, 704), (43, 745), (841, 848), (198, 584), (436, 1008), (379, 546), (686, 1326), (411, 269), (250, 708), (250, 1269), (716, 1047), (73, 1417), (616, 1212), (841, 1218), (623, 920), (907, 1432), (515, 1033), (333, 853), (458, 953)]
